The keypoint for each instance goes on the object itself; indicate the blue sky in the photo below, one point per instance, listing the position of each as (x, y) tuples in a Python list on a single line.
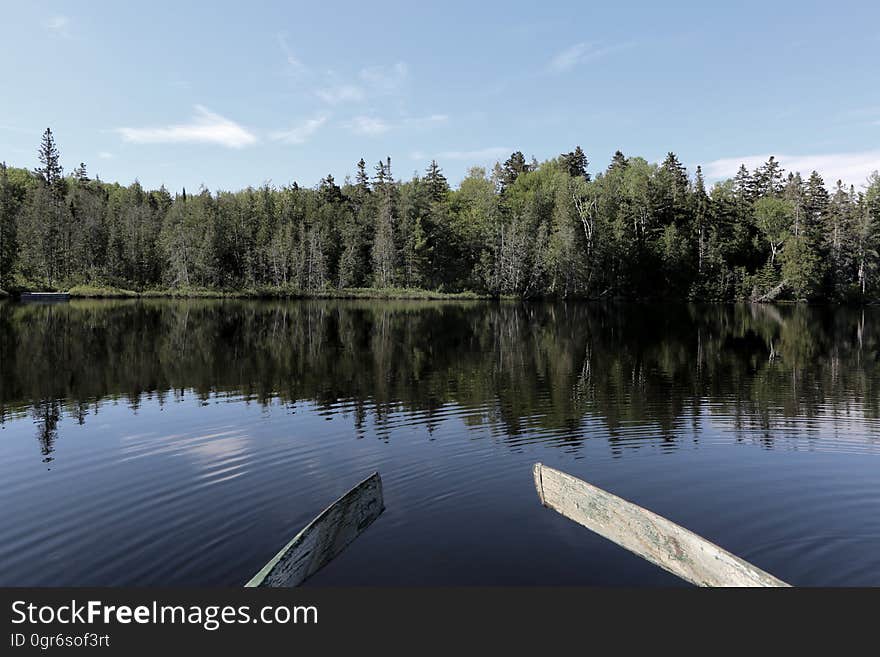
[(232, 94)]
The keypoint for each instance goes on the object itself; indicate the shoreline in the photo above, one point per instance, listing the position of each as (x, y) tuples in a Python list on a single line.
[(378, 294), (94, 292)]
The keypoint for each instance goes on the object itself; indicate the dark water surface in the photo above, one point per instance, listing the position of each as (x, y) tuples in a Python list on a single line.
[(183, 442)]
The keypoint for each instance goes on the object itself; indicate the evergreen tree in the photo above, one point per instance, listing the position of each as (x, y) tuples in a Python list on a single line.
[(700, 203), (186, 241), (801, 269), (744, 188), (50, 172), (815, 206), (413, 209), (46, 227), (80, 174), (669, 192), (618, 161), (838, 224), (351, 261), (866, 239), (512, 168), (793, 192), (869, 234), (329, 191), (8, 210), (384, 250), (767, 179), (637, 230), (438, 187), (362, 183), (575, 162)]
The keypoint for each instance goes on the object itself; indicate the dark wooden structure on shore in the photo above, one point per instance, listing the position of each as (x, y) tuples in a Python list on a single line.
[(45, 296)]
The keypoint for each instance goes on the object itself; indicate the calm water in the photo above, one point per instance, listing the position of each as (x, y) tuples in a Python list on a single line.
[(183, 442)]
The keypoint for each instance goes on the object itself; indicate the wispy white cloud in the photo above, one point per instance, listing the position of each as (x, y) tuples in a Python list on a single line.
[(374, 125), (852, 168), (580, 53), (431, 119), (368, 125), (105, 155), (384, 79), (59, 25), (300, 133), (341, 93), (294, 64), (481, 155), (206, 127), (371, 82)]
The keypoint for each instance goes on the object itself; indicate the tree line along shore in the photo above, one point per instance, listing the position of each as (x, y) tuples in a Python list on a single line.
[(524, 229)]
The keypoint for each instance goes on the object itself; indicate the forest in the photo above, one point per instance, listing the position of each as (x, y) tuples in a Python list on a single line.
[(554, 229)]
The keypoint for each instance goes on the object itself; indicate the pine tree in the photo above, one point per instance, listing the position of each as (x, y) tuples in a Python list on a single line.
[(47, 226), (767, 179), (328, 190), (80, 174), (380, 175), (575, 162), (618, 161), (701, 216), (8, 246), (384, 251), (672, 184), (316, 267), (362, 183), (815, 206), (839, 223), (801, 268), (793, 192), (636, 230), (351, 261), (187, 241), (866, 244), (50, 172), (742, 185), (512, 168), (869, 234), (801, 264), (437, 184), (414, 206)]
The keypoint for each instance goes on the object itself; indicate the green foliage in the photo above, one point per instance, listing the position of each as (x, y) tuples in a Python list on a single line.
[(764, 281), (801, 268), (384, 250), (634, 230), (9, 203), (507, 173), (773, 217), (96, 292), (575, 163)]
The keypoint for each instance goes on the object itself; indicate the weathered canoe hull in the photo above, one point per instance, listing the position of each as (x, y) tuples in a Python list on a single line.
[(650, 536), (324, 537)]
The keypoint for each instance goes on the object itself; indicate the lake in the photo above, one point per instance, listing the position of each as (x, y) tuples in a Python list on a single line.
[(182, 443)]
